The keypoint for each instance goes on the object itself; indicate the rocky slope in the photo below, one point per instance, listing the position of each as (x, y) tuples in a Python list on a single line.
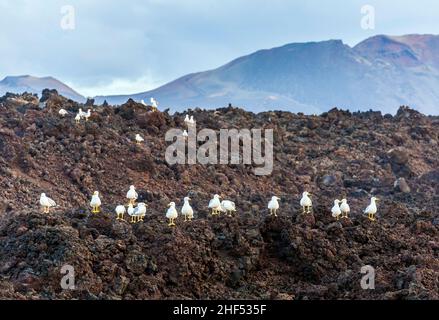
[(251, 255)]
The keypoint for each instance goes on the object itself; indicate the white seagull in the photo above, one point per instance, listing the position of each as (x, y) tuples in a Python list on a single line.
[(171, 214), (78, 118), (63, 112), (120, 212), (336, 211), (192, 121), (186, 120), (131, 213), (187, 210), (228, 206), (87, 114), (345, 209), (139, 139), (273, 205), (95, 202), (371, 210), (46, 203), (140, 211), (185, 134), (132, 195), (143, 102), (154, 104), (215, 204), (306, 202)]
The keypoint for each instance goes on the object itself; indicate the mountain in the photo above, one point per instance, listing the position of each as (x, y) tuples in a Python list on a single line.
[(382, 73), (20, 84)]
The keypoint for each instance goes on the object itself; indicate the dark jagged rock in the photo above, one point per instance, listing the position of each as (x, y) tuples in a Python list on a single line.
[(249, 256)]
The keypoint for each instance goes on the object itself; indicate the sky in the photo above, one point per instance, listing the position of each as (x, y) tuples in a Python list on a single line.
[(123, 47)]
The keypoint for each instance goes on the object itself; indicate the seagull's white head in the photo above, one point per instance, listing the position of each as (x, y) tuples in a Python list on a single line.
[(186, 199), (172, 204), (132, 188), (96, 193), (43, 195), (306, 193), (344, 201), (275, 198), (336, 201), (374, 199), (216, 196)]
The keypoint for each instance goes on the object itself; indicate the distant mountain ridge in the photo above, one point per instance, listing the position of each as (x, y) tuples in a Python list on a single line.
[(381, 73), (26, 83)]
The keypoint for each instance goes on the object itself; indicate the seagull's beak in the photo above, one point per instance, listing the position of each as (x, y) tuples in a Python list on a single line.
[(189, 199), (169, 204), (377, 200)]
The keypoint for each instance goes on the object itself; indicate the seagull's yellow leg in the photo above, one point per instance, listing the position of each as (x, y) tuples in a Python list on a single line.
[(275, 214), (303, 209)]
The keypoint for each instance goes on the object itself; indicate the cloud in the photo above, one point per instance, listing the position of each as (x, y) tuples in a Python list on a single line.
[(151, 42)]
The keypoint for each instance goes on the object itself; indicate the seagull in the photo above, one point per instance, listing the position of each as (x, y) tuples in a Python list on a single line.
[(306, 202), (273, 205), (154, 104), (187, 120), (336, 211), (131, 213), (140, 211), (120, 211), (132, 195), (95, 202), (143, 102), (228, 206), (78, 118), (215, 204), (62, 112), (46, 203), (81, 113), (371, 210), (185, 134), (192, 121), (139, 139), (87, 115), (345, 209), (171, 214), (187, 210)]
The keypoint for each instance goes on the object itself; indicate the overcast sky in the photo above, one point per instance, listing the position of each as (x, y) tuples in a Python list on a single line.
[(136, 45)]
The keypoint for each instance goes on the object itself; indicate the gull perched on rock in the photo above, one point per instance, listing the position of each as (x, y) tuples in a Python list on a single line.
[(95, 202), (46, 203), (140, 211), (273, 205), (215, 204), (78, 118), (87, 114), (336, 211), (371, 210), (345, 209), (63, 112), (154, 104), (132, 195), (139, 139), (131, 213), (120, 212), (187, 210), (192, 121), (186, 120), (143, 102), (306, 202), (228, 206), (185, 134), (171, 214)]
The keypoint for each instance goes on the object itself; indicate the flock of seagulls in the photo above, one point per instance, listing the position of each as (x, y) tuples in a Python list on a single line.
[(137, 212)]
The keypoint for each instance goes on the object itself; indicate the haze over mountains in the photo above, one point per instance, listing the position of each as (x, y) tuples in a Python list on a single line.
[(380, 73)]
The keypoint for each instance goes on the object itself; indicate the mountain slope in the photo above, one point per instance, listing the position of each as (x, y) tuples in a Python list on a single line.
[(381, 73), (20, 84)]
